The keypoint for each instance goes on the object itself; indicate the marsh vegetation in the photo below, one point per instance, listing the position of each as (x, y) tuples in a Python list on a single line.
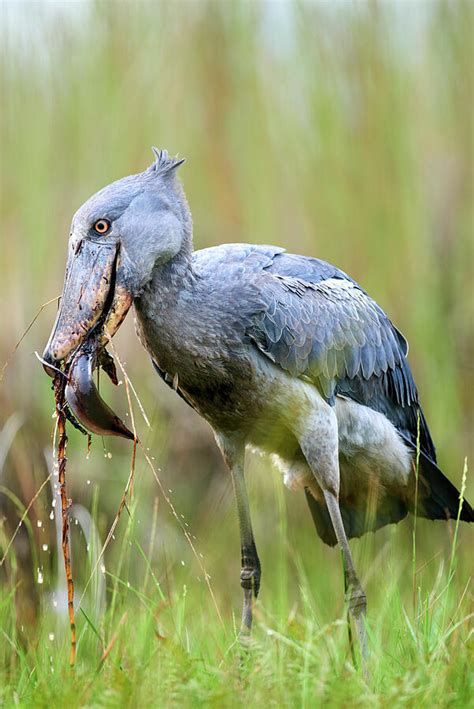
[(342, 132)]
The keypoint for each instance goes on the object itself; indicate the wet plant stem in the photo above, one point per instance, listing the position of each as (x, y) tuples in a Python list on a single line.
[(59, 387)]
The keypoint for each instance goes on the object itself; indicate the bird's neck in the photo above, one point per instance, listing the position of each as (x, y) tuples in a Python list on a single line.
[(167, 307), (167, 279), (171, 278), (185, 328)]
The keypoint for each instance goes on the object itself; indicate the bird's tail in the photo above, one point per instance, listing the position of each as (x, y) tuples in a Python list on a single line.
[(438, 498)]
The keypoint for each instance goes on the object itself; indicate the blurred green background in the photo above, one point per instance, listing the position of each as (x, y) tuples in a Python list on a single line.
[(339, 130)]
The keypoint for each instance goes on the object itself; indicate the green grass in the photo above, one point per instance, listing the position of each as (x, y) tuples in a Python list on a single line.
[(343, 131), (165, 642)]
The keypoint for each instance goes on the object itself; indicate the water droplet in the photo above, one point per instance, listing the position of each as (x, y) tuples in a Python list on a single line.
[(182, 563), (40, 576), (51, 515), (45, 547), (53, 503), (109, 455), (39, 523), (88, 482), (88, 547), (51, 636), (55, 604), (113, 537), (102, 568), (76, 521), (128, 584)]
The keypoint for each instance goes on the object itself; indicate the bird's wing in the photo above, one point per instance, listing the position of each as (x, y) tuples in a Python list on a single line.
[(233, 257), (327, 329)]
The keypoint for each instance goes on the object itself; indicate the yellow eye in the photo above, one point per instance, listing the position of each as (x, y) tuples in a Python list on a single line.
[(102, 226)]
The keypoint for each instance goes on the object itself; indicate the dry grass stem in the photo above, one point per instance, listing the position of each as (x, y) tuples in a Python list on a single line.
[(113, 526), (59, 387), (185, 532), (23, 517), (9, 358), (113, 640), (155, 474)]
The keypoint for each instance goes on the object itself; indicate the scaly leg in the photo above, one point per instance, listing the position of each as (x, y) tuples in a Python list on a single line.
[(349, 628), (318, 438), (234, 455), (356, 595)]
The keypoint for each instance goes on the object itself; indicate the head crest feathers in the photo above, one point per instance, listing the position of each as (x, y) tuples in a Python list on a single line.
[(164, 163)]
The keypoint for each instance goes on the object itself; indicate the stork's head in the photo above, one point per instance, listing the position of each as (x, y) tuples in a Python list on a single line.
[(117, 238)]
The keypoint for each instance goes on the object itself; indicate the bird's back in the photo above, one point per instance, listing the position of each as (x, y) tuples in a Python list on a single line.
[(315, 322), (271, 288)]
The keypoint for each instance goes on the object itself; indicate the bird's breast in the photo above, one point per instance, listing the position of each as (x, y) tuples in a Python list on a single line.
[(210, 368)]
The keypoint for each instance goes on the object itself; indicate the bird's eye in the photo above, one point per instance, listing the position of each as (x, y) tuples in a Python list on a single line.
[(102, 226)]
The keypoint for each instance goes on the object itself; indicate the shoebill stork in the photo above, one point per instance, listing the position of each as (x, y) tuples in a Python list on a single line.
[(280, 352)]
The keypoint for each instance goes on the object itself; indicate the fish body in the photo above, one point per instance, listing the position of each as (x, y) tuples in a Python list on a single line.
[(84, 399)]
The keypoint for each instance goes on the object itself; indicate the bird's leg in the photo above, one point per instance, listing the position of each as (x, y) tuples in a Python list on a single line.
[(349, 628), (234, 454), (355, 593), (250, 582), (319, 441), (250, 564)]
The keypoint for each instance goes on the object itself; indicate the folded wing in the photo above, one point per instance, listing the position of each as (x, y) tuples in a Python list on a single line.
[(331, 332)]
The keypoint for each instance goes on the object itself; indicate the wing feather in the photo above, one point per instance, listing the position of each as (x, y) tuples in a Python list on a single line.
[(333, 333), (313, 320)]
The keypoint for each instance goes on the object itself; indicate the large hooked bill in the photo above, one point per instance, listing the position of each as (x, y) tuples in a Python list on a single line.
[(94, 303)]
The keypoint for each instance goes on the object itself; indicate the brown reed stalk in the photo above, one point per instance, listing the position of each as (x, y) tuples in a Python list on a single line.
[(59, 387)]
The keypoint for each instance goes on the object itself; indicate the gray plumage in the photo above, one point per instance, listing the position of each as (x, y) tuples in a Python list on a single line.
[(281, 352), (238, 303)]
